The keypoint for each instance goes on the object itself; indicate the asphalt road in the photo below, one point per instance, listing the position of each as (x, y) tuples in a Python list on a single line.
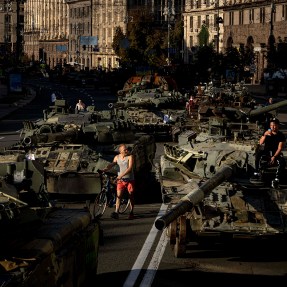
[(135, 253)]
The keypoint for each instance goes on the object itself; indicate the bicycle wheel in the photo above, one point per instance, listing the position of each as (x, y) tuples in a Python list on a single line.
[(100, 204), (125, 203)]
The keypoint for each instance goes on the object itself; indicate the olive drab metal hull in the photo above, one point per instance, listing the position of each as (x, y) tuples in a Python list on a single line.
[(42, 244), (71, 169), (206, 175)]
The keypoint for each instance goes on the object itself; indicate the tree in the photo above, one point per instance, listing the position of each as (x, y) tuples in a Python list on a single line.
[(146, 43), (205, 63), (203, 36), (118, 37), (120, 46), (177, 37)]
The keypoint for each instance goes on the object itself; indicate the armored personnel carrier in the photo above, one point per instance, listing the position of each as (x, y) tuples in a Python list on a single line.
[(207, 176), (42, 244), (71, 169)]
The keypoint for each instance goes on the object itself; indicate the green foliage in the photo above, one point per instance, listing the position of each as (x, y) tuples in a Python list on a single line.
[(118, 37), (147, 43), (203, 36), (233, 57), (205, 63)]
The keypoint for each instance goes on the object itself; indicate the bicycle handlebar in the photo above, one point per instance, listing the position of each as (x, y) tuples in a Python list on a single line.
[(102, 173)]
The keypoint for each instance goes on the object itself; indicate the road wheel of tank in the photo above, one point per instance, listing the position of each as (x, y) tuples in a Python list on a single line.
[(171, 233), (45, 129), (180, 244)]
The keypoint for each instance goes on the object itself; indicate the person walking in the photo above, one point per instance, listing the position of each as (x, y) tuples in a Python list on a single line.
[(125, 178), (80, 106), (273, 142), (53, 98)]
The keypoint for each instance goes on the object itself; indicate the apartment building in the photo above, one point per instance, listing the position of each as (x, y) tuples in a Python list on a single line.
[(196, 14), (254, 24), (11, 28), (46, 31), (82, 31), (237, 23)]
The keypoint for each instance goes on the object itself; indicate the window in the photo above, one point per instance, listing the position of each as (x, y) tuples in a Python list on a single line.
[(191, 23), (241, 17), (190, 41), (284, 11), (262, 15), (231, 18), (207, 21), (199, 22), (251, 16)]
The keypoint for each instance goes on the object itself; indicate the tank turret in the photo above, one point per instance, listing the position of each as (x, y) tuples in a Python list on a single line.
[(194, 197)]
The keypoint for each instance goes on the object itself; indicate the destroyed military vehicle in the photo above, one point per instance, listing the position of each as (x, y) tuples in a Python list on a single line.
[(72, 147), (42, 244), (152, 104), (207, 177)]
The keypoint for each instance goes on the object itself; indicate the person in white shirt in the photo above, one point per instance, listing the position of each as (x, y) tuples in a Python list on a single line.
[(53, 98)]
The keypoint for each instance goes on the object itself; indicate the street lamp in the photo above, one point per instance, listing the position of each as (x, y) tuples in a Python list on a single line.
[(169, 13), (271, 38), (219, 20)]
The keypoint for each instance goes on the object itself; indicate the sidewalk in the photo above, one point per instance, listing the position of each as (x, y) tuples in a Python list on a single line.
[(7, 109)]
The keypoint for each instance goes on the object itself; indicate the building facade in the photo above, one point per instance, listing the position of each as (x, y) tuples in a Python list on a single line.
[(236, 23), (46, 31), (11, 28), (82, 31), (252, 24), (197, 13)]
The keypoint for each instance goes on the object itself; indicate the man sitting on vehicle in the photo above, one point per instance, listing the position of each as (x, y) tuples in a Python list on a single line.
[(80, 106), (273, 142)]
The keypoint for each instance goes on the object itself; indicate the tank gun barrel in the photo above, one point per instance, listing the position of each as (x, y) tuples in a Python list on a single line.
[(196, 195), (267, 109)]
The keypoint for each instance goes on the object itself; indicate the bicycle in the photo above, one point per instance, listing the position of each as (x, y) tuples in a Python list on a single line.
[(108, 195)]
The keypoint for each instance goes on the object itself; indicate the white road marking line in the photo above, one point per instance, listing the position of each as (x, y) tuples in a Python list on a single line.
[(155, 261), (134, 273), (2, 138)]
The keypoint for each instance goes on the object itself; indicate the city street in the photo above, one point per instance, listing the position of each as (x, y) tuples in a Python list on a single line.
[(135, 253)]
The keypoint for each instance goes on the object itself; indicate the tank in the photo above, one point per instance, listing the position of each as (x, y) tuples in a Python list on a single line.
[(149, 81), (206, 175), (42, 244), (152, 104)]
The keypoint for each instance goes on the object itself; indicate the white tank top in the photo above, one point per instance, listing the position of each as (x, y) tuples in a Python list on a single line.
[(123, 165)]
